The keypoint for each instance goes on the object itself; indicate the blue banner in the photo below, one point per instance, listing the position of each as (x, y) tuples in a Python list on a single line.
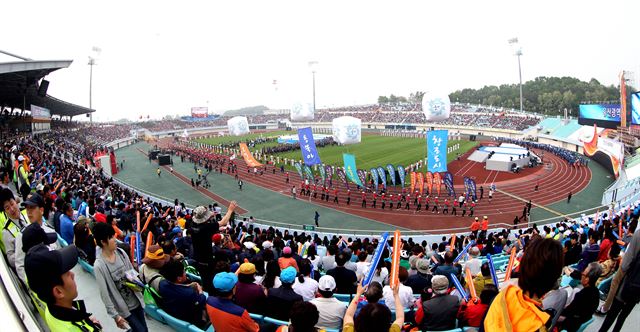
[(467, 187), (308, 147), (437, 150), (401, 174), (299, 169), (472, 188), (383, 177), (350, 169), (448, 183), (392, 173), (374, 177), (376, 258)]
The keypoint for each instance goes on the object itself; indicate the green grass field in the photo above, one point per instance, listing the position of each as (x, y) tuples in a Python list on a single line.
[(373, 151), (244, 138)]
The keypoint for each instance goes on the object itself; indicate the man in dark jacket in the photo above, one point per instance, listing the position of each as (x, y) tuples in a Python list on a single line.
[(448, 267), (345, 279), (585, 302), (573, 250), (421, 280), (441, 310), (281, 299)]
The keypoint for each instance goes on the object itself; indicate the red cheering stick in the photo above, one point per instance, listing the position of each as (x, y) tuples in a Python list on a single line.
[(146, 223), (453, 241)]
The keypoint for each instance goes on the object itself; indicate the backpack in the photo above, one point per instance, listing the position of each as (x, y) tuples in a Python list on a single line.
[(631, 285), (150, 295)]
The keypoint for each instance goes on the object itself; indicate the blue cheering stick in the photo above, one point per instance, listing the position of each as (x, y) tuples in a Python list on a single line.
[(493, 271), (464, 251), (376, 258), (458, 286)]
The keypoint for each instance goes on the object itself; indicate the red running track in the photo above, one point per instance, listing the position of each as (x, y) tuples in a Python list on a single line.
[(556, 179)]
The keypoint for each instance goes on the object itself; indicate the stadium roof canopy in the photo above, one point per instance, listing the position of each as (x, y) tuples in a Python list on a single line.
[(19, 87)]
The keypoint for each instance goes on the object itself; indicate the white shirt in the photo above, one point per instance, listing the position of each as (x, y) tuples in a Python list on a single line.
[(382, 278), (331, 312), (473, 265), (405, 293), (361, 269), (307, 289)]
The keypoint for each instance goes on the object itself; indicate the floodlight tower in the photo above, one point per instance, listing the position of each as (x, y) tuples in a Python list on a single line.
[(518, 53), (92, 62), (313, 65)]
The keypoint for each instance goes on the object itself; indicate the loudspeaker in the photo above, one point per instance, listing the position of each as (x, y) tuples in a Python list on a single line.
[(42, 90)]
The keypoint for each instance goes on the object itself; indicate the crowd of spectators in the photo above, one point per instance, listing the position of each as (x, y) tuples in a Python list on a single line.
[(296, 277), (571, 157)]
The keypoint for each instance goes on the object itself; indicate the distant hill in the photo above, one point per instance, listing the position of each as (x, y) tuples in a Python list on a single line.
[(252, 110)]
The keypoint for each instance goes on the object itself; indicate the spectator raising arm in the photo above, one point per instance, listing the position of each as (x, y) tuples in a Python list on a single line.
[(225, 220)]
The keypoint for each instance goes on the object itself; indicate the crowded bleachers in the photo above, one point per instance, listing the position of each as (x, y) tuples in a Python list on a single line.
[(200, 268)]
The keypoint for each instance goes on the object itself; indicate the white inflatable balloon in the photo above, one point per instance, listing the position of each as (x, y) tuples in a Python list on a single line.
[(347, 130), (301, 111), (238, 126), (436, 106)]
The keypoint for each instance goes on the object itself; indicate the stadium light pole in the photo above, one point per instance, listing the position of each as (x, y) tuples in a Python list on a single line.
[(518, 53), (312, 65), (92, 62)]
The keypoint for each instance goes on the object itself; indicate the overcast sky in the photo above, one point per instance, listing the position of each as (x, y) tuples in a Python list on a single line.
[(164, 57)]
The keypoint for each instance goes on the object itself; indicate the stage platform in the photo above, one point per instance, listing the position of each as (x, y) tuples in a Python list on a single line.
[(503, 158)]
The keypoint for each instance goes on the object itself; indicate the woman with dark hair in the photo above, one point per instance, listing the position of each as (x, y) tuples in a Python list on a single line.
[(84, 241), (272, 276), (313, 257), (304, 316), (540, 269), (373, 317), (304, 285)]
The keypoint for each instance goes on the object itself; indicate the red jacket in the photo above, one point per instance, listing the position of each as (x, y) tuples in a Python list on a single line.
[(471, 315)]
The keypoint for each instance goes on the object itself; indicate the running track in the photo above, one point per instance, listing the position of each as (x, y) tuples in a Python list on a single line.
[(555, 184)]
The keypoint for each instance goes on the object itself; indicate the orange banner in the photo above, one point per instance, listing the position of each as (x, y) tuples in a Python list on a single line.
[(395, 260), (472, 288), (247, 156), (512, 259), (437, 181), (420, 182), (413, 181)]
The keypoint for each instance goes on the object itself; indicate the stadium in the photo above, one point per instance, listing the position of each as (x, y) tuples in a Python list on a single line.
[(423, 214)]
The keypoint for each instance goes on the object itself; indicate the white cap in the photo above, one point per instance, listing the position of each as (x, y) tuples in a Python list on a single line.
[(267, 245), (20, 158), (39, 187), (326, 283), (249, 245)]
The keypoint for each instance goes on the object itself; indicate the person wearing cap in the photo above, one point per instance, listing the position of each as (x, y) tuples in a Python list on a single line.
[(280, 300), (331, 309), (21, 177), (12, 222), (287, 259), (180, 299), (475, 226), (225, 315), (204, 227), (484, 226), (249, 295), (122, 303), (35, 210), (154, 260), (50, 277), (422, 278), (439, 313)]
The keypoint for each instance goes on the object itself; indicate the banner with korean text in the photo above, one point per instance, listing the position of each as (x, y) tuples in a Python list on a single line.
[(437, 150), (350, 168), (308, 147)]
